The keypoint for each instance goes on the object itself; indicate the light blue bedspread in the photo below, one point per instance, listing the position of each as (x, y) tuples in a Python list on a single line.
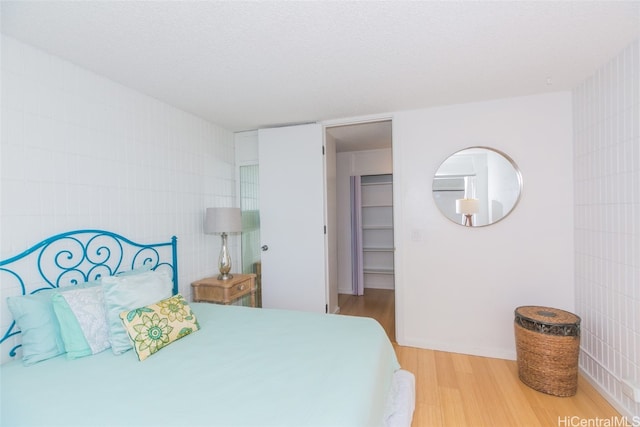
[(245, 367)]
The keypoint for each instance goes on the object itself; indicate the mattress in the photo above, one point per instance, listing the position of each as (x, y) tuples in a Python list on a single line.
[(245, 367)]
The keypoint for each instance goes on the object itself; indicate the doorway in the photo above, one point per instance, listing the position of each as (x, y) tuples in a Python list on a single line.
[(362, 150)]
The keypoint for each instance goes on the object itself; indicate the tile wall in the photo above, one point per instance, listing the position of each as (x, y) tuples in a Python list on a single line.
[(607, 224), (81, 151)]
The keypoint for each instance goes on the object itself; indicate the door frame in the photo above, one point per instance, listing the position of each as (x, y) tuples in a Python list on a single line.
[(397, 226)]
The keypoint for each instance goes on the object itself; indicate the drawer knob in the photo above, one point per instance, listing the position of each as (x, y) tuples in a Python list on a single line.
[(241, 287)]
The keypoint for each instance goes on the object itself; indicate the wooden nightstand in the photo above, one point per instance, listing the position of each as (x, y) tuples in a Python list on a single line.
[(210, 289)]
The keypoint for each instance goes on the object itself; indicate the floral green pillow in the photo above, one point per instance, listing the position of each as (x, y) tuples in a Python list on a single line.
[(157, 325)]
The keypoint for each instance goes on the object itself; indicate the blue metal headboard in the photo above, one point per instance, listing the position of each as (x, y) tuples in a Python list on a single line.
[(74, 257)]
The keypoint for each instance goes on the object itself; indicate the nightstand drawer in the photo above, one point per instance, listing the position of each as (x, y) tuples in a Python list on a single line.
[(212, 289), (240, 289), (208, 294)]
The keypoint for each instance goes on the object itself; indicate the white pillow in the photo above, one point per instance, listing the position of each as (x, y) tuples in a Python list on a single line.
[(88, 307), (125, 293)]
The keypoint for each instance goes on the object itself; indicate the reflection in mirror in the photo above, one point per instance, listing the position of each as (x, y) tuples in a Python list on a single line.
[(477, 186)]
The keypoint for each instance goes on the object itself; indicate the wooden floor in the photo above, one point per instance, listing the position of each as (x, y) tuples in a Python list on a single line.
[(460, 390)]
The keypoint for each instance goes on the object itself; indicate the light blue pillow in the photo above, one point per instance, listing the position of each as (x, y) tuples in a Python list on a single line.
[(40, 331), (34, 315), (127, 292), (73, 339), (143, 269)]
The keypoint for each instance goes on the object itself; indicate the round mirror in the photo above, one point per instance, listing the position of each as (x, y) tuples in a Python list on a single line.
[(477, 186)]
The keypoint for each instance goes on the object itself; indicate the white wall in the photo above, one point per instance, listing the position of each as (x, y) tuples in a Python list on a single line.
[(80, 151), (457, 288), (607, 230), (246, 146), (366, 162)]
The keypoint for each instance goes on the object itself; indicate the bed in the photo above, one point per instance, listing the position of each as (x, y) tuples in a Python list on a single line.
[(217, 366)]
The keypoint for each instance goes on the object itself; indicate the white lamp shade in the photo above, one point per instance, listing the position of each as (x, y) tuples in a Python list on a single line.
[(467, 206), (222, 220)]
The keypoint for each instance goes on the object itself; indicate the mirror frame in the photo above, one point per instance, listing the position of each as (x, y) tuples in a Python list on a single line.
[(508, 158)]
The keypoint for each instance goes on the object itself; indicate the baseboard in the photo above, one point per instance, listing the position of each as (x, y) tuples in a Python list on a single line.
[(387, 288), (349, 291), (634, 419), (496, 353)]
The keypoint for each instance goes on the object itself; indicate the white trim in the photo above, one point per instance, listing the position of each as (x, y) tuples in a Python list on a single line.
[(397, 287), (506, 354), (345, 291), (398, 236), (608, 397), (358, 120)]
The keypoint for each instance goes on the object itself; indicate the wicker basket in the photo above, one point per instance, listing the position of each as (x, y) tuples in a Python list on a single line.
[(547, 346)]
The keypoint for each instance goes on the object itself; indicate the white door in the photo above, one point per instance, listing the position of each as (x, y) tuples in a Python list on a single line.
[(292, 218)]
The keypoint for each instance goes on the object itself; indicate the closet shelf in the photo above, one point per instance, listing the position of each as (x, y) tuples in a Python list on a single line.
[(377, 270), (367, 184), (378, 249)]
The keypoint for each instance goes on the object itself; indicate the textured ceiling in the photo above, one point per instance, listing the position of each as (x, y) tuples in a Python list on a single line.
[(246, 65)]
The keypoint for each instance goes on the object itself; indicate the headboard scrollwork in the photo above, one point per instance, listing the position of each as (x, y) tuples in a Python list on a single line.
[(75, 257)]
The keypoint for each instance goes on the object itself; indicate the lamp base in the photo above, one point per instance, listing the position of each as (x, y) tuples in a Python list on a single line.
[(224, 261), (468, 220)]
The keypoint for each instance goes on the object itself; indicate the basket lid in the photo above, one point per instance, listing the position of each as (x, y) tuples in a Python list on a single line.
[(547, 315)]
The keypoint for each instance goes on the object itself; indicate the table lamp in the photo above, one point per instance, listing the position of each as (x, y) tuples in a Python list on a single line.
[(222, 221), (467, 207)]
